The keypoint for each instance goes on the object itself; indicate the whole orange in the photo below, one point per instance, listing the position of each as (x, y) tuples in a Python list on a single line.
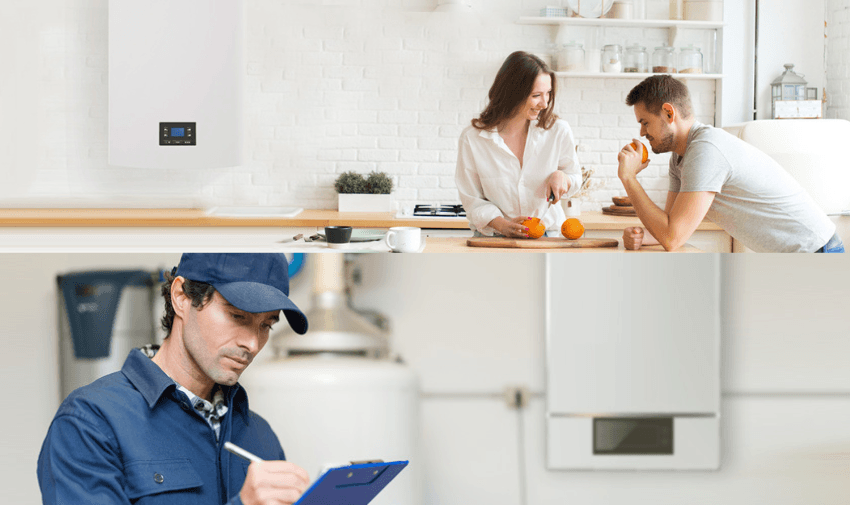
[(535, 227), (572, 228), (639, 147)]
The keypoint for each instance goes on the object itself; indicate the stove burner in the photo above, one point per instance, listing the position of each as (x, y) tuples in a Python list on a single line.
[(422, 210)]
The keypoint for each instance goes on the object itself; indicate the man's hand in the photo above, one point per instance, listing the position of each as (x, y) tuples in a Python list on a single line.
[(630, 164), (511, 228), (633, 238), (273, 483), (557, 184)]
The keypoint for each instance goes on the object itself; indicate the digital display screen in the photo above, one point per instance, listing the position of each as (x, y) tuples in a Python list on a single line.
[(177, 133), (633, 436)]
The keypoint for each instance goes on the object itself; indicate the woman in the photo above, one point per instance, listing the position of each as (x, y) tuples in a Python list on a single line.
[(517, 154)]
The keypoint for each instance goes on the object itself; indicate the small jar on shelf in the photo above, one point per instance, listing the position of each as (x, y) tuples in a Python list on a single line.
[(570, 58), (621, 9), (690, 60), (636, 59), (664, 60), (612, 58)]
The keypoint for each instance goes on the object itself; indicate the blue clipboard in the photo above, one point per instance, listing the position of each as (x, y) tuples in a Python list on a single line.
[(355, 484)]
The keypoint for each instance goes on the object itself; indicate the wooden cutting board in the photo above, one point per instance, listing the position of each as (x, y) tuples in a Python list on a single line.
[(541, 243), (617, 210)]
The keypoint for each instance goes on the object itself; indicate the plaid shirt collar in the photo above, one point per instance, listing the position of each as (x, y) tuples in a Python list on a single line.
[(213, 411)]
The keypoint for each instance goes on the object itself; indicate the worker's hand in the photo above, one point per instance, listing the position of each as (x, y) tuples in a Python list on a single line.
[(629, 162), (511, 228), (633, 238), (273, 483), (557, 184)]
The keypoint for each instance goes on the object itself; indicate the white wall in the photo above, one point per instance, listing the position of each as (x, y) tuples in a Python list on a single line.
[(738, 62), (31, 61), (837, 59), (790, 31), (471, 325), (354, 85), (331, 86)]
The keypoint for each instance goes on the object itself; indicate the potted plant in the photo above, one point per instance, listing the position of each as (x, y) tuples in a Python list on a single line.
[(364, 194)]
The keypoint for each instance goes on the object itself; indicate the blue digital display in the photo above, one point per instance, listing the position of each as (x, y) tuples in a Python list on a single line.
[(177, 132)]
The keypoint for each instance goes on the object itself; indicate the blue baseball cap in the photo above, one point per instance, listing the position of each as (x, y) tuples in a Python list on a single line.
[(250, 282)]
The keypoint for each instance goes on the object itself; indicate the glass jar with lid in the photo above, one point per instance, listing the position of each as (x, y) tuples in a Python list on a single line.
[(690, 60), (612, 58), (570, 57), (636, 59), (664, 60)]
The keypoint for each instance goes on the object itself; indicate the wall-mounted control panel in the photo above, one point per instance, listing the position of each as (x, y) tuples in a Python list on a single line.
[(177, 134)]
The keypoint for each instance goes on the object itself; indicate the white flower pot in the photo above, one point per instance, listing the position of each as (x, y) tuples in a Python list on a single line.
[(365, 203), (572, 207)]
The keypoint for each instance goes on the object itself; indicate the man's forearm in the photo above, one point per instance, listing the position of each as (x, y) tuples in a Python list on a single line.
[(654, 219)]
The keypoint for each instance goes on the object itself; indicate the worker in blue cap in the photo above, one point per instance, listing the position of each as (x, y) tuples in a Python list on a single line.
[(154, 432)]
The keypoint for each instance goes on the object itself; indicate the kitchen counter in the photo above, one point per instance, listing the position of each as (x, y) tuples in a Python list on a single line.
[(172, 230), (458, 245), (142, 218)]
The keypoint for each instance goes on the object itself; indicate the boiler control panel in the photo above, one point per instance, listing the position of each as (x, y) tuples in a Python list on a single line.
[(633, 435), (177, 134)]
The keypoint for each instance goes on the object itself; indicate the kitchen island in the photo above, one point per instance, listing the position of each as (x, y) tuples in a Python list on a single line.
[(179, 229)]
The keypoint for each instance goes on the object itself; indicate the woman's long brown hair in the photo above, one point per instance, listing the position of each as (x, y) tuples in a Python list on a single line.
[(512, 87)]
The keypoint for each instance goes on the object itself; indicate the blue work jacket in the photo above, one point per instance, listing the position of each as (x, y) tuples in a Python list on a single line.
[(132, 437)]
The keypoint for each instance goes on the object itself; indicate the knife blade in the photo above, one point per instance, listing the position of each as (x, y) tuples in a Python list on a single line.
[(551, 200)]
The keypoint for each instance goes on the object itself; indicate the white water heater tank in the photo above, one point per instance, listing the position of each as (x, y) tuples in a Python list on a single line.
[(329, 409), (176, 72)]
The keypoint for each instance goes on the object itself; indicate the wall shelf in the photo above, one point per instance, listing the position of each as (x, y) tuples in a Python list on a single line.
[(672, 25), (627, 23), (674, 29), (637, 75)]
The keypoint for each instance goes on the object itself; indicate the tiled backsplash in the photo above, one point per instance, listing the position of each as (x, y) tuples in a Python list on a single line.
[(837, 64), (334, 86)]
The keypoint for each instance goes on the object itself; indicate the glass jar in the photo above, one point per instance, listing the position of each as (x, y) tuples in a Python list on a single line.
[(636, 59), (612, 58), (690, 60), (664, 60), (621, 9), (571, 57)]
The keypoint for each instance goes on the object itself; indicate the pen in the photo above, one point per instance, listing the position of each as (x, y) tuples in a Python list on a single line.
[(242, 453)]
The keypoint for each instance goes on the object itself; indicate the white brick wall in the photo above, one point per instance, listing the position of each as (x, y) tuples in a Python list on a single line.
[(343, 85), (838, 59)]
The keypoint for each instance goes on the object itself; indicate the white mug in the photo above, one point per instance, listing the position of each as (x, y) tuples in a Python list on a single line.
[(403, 239)]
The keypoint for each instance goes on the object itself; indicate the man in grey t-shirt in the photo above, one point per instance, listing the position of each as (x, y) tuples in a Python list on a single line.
[(716, 175)]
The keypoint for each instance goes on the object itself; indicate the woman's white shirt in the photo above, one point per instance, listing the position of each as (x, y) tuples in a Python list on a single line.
[(492, 184)]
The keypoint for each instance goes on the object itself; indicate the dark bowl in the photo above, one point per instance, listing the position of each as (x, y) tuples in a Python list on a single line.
[(338, 234)]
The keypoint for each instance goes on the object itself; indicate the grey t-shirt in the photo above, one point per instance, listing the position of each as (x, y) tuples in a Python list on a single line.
[(756, 200)]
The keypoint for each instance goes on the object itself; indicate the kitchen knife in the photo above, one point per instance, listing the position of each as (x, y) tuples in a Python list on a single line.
[(551, 200)]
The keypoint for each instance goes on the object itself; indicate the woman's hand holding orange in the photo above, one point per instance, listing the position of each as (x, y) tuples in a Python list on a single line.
[(512, 228)]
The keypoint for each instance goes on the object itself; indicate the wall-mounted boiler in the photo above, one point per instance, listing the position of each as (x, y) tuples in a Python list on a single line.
[(176, 72), (633, 362)]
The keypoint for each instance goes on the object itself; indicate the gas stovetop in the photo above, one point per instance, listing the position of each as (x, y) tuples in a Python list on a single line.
[(439, 210)]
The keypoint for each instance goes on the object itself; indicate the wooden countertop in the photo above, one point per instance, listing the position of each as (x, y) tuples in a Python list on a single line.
[(458, 245), (141, 218)]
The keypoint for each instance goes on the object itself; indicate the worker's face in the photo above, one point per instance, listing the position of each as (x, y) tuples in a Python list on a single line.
[(221, 340), (657, 128), (539, 97)]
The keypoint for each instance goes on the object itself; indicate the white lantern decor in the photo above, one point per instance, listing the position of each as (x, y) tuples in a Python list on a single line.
[(791, 98)]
